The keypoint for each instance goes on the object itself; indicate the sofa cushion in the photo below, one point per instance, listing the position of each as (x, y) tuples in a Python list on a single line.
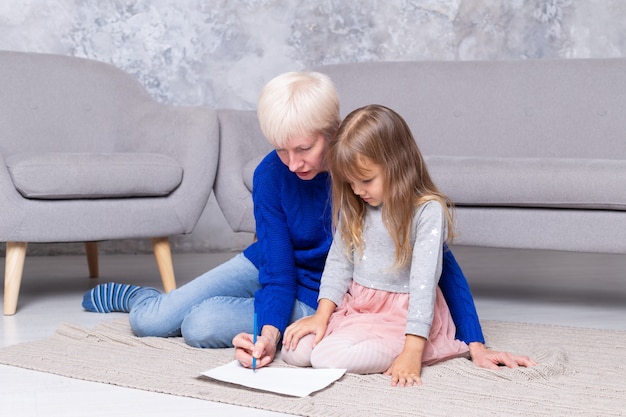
[(531, 182), (522, 182), (56, 175)]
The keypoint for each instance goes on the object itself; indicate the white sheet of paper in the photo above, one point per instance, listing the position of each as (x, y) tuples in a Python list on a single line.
[(297, 382)]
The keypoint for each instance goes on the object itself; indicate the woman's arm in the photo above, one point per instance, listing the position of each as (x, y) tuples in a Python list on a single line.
[(276, 256), (458, 296), (275, 259)]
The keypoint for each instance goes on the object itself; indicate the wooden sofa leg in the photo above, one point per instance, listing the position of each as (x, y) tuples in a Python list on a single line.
[(163, 254), (91, 249), (14, 267)]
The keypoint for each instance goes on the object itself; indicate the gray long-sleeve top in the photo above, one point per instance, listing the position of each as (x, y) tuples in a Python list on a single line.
[(374, 269)]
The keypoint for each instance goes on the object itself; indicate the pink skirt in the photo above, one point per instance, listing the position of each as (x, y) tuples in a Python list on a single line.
[(383, 315)]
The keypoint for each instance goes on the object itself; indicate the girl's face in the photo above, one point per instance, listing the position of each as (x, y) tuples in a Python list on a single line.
[(368, 184), (304, 156)]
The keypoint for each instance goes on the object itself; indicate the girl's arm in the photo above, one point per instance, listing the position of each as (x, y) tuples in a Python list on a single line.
[(338, 271), (407, 367), (429, 227)]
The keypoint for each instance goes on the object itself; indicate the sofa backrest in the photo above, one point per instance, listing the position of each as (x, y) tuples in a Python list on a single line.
[(569, 110), (528, 108)]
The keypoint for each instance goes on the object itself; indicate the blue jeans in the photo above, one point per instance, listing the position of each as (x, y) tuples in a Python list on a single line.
[(208, 311)]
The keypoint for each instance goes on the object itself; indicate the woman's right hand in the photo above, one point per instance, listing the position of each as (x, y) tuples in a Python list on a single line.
[(264, 350)]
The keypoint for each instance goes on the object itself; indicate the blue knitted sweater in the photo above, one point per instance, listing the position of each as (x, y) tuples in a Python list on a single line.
[(294, 233), (293, 228)]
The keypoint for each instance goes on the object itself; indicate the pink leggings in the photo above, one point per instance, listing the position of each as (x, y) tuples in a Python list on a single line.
[(358, 354)]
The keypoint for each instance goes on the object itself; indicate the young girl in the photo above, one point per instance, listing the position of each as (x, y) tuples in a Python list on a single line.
[(380, 308)]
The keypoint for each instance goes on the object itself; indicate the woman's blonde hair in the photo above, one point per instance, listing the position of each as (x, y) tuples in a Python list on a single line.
[(298, 104), (379, 135)]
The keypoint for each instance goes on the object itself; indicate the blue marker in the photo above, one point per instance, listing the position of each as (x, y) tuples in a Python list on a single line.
[(256, 330)]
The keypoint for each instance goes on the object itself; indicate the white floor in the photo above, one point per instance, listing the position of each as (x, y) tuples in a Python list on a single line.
[(587, 290)]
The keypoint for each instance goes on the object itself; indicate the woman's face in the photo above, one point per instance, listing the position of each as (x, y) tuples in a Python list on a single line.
[(304, 156)]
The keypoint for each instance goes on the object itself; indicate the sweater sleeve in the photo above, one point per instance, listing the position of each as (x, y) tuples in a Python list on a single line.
[(458, 296), (338, 272), (274, 302), (430, 231)]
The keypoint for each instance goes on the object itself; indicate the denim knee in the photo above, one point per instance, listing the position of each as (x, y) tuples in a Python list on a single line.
[(150, 326), (215, 323), (203, 332), (146, 319)]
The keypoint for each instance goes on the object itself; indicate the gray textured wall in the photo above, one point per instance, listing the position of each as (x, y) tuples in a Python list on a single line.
[(220, 53)]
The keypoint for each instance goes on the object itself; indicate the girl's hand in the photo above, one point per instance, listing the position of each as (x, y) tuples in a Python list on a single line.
[(406, 369), (315, 324), (264, 350), (306, 325)]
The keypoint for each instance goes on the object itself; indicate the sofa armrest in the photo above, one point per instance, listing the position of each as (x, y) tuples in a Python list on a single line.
[(242, 145)]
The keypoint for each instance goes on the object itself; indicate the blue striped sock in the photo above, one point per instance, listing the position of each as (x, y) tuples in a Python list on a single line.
[(108, 297)]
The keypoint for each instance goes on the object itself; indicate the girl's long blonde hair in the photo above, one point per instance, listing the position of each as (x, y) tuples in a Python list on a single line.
[(379, 135)]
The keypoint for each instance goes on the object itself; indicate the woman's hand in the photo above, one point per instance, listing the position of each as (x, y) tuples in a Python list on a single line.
[(264, 350), (406, 369), (492, 359)]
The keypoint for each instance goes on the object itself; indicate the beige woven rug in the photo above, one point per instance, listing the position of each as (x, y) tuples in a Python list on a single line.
[(582, 372)]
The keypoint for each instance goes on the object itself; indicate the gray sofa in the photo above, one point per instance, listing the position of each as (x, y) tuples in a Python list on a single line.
[(533, 153)]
